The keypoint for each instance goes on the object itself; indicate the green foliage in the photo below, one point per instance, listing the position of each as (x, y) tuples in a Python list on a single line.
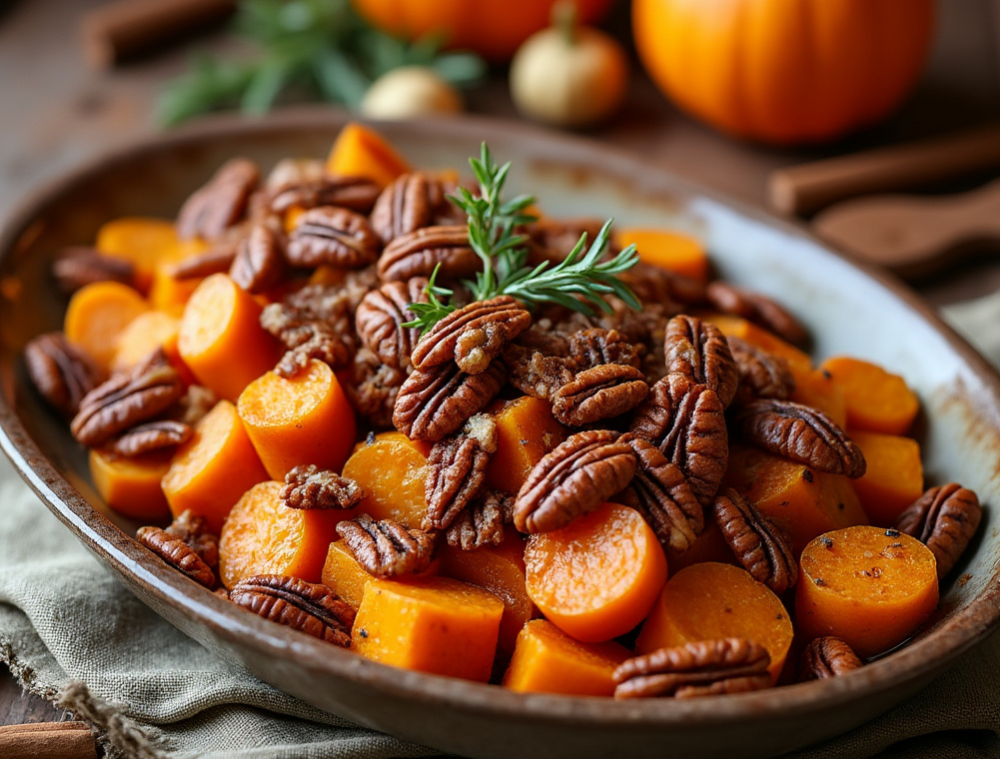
[(576, 283), (312, 49)]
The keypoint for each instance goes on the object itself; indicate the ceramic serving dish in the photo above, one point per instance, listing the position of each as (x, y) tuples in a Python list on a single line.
[(848, 309)]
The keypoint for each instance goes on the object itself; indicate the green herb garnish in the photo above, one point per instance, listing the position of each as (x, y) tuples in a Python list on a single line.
[(576, 283), (304, 49)]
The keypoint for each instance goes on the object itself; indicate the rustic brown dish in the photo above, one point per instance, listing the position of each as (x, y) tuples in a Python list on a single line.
[(849, 310)]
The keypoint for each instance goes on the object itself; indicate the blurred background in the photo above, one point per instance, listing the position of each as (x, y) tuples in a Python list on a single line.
[(769, 102)]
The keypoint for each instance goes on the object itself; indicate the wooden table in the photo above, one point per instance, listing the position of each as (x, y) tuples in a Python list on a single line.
[(55, 113)]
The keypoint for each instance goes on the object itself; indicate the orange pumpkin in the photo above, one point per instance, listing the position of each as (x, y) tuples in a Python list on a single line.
[(784, 71), (493, 28)]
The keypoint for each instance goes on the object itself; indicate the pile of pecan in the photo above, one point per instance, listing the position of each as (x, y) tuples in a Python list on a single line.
[(651, 399)]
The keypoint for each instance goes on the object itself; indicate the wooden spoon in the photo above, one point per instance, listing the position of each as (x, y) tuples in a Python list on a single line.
[(913, 235)]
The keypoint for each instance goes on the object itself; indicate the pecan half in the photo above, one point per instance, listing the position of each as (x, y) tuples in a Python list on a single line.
[(699, 351), (801, 433), (381, 316), (687, 422), (595, 347), (482, 522), (603, 392), (944, 519), (435, 402), (756, 308), (762, 374), (293, 171), (61, 373), (554, 239), (309, 487), (353, 193), (373, 388), (185, 545), (77, 267), (418, 253), (409, 203), (473, 335), (332, 236), (125, 400), (456, 471), (259, 264), (704, 668), (220, 203), (216, 260), (759, 545), (152, 436), (536, 374), (572, 480), (386, 548), (664, 497), (827, 657), (308, 607)]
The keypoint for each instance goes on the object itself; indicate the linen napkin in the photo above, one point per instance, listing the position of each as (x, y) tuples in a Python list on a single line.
[(71, 633)]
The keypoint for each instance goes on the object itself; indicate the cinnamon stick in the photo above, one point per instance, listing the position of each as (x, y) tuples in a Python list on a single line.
[(808, 187), (38, 740), (124, 29)]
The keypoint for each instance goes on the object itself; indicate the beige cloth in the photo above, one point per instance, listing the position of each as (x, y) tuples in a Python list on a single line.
[(73, 634)]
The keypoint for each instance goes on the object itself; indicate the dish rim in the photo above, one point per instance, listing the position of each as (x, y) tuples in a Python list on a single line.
[(226, 622)]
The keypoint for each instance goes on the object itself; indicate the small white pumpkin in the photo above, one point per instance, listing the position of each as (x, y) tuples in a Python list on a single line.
[(410, 91), (569, 76)]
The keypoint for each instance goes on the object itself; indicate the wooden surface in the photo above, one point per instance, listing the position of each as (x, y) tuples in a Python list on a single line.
[(55, 112)]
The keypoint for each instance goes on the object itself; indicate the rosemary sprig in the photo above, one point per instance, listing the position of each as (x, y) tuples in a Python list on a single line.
[(577, 283), (304, 49)]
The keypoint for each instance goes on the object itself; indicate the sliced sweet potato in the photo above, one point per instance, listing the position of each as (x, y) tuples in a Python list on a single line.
[(391, 470), (429, 624), (345, 577), (526, 431), (263, 536), (97, 315), (361, 152), (877, 400), (868, 586), (547, 660), (500, 570), (213, 470), (142, 241), (146, 333), (303, 420), (801, 501), (894, 477), (597, 577), (132, 486), (711, 601), (221, 339), (674, 251)]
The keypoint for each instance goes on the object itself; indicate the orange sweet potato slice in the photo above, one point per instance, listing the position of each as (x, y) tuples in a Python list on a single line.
[(211, 471), (143, 242), (894, 477), (816, 388), (429, 624), (303, 420), (877, 400), (711, 601), (98, 314), (345, 577), (798, 361), (801, 501), (869, 586), (146, 333), (597, 577), (391, 471), (221, 339), (263, 536), (361, 152), (526, 431), (547, 660), (500, 570), (676, 252), (132, 486)]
